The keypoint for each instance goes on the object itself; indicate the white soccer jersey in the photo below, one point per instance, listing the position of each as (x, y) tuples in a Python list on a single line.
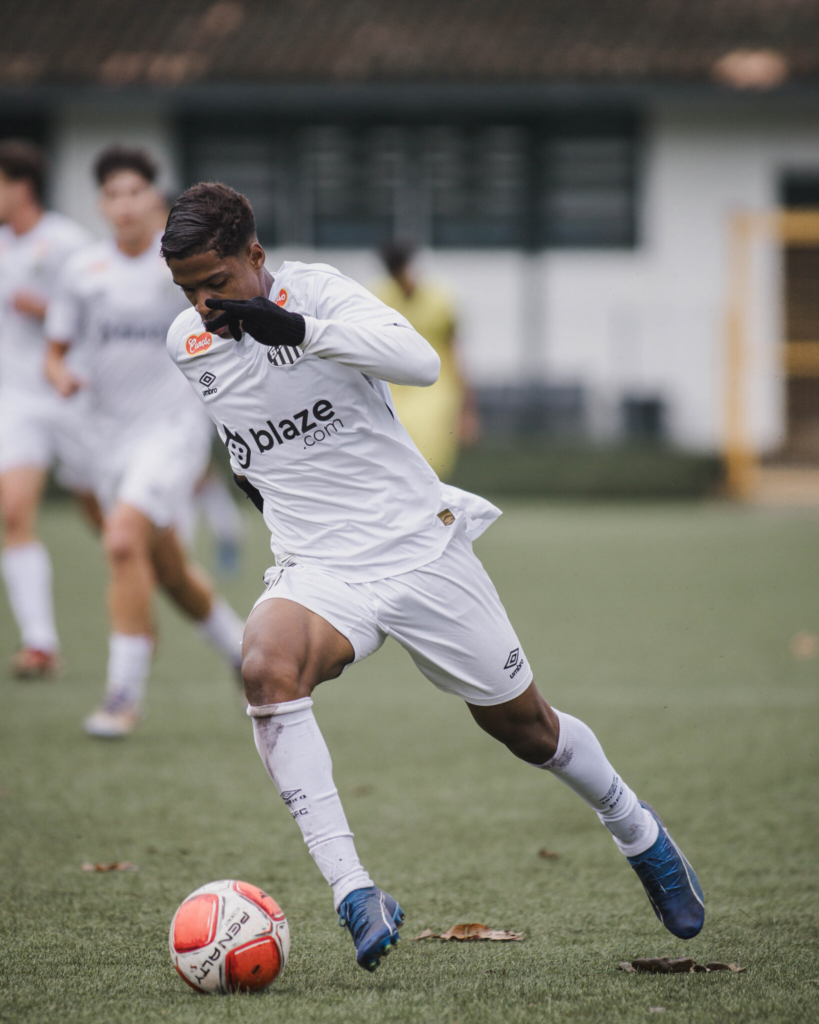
[(31, 262), (118, 309), (314, 429)]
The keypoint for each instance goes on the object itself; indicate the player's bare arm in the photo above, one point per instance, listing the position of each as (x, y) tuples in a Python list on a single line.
[(31, 304), (57, 371)]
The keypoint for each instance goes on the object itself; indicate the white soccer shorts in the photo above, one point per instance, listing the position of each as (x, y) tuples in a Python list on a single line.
[(38, 431), (447, 615), (156, 470)]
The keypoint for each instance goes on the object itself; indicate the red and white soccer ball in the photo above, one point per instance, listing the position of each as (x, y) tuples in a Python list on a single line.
[(229, 936)]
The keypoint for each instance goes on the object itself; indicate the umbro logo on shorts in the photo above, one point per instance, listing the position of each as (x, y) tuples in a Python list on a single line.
[(206, 380), (312, 425), (515, 661)]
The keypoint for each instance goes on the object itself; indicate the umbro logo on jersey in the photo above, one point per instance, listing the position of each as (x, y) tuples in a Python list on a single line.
[(207, 379), (198, 344), (311, 425)]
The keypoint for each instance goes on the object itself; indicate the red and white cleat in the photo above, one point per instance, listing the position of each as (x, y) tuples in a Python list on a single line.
[(113, 721), (31, 663)]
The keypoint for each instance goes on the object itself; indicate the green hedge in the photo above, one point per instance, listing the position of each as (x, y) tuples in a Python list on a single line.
[(587, 471)]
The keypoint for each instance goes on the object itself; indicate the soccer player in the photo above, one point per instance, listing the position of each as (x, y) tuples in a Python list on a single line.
[(441, 417), (115, 301), (368, 544), (37, 428)]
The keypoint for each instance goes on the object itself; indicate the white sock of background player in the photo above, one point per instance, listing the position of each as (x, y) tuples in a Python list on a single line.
[(27, 574), (224, 629), (129, 662), (297, 759), (579, 761)]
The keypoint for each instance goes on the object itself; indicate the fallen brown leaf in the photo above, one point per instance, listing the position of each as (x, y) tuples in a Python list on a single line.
[(805, 645), (478, 932), (548, 854), (115, 865), (472, 933), (678, 965)]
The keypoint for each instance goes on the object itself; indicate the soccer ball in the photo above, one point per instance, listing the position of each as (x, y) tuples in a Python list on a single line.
[(229, 936)]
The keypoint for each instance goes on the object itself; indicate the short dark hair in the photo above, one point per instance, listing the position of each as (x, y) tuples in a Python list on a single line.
[(120, 158), (21, 160), (396, 256), (208, 217)]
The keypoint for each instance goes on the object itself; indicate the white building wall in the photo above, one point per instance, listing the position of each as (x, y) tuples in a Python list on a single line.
[(82, 133), (643, 322)]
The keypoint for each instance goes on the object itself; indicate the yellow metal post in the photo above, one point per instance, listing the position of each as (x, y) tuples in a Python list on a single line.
[(740, 462)]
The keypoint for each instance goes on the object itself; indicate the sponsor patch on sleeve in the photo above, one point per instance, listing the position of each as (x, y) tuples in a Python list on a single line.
[(281, 298)]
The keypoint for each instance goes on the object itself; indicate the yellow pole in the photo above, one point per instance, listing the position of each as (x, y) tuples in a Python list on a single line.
[(740, 463)]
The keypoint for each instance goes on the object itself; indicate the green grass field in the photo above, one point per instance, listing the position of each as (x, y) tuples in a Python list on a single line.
[(667, 628)]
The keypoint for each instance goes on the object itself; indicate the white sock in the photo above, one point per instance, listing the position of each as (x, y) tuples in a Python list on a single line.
[(224, 629), (221, 511), (27, 574), (297, 760), (579, 761), (129, 662)]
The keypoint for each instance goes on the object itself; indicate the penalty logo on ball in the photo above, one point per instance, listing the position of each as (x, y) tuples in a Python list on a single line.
[(229, 936)]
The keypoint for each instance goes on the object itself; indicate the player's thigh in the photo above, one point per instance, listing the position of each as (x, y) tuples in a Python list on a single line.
[(20, 492), (450, 619), (287, 650)]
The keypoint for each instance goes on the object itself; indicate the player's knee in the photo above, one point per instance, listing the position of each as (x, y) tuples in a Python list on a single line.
[(122, 546), (527, 726), (17, 521), (272, 676)]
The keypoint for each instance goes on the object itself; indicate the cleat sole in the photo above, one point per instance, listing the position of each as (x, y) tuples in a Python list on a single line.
[(385, 945)]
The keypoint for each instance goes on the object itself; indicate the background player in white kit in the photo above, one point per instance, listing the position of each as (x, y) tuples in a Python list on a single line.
[(368, 544), (115, 300), (37, 427)]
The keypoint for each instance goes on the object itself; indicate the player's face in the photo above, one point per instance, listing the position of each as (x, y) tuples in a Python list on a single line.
[(12, 194), (129, 203), (208, 276)]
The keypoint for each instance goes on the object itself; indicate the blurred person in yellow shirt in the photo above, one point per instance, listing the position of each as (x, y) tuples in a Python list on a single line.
[(442, 417)]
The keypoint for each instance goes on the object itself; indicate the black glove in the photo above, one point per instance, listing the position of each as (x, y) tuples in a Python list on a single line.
[(252, 492), (263, 320)]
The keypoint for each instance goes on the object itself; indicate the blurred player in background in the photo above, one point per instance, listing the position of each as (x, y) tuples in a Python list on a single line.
[(116, 299), (442, 417), (37, 427)]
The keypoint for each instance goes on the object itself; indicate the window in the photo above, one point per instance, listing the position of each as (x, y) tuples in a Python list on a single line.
[(800, 190), (556, 183)]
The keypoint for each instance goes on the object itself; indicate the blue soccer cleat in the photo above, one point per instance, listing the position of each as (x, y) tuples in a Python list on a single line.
[(373, 919), (670, 884)]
